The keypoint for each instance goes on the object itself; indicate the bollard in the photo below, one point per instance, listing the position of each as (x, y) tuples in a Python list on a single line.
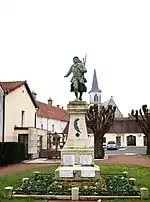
[(144, 192), (36, 172), (8, 192), (125, 173), (75, 193), (132, 180), (25, 179)]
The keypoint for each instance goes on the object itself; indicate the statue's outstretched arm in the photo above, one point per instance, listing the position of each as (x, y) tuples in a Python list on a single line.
[(70, 71)]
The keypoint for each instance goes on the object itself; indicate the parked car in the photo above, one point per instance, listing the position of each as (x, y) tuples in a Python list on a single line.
[(111, 145)]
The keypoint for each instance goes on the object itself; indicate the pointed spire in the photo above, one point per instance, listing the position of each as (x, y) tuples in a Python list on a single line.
[(95, 87)]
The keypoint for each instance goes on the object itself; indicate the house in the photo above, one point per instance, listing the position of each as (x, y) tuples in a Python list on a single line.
[(19, 117), (51, 118)]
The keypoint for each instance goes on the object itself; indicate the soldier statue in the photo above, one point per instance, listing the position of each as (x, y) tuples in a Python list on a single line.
[(78, 80)]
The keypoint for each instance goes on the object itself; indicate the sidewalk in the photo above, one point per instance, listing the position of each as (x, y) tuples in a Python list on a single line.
[(132, 160)]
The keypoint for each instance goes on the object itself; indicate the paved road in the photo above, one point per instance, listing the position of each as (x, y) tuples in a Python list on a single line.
[(126, 151)]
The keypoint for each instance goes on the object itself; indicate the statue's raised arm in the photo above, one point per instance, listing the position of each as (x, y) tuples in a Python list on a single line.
[(78, 80)]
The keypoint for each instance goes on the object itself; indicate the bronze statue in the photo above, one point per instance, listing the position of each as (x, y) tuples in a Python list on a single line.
[(78, 80)]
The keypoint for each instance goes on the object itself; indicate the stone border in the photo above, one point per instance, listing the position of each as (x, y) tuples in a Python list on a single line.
[(69, 197)]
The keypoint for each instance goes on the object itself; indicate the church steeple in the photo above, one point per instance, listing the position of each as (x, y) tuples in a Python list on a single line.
[(95, 92), (95, 87)]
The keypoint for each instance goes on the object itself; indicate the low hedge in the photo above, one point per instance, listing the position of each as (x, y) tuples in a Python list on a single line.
[(11, 153)]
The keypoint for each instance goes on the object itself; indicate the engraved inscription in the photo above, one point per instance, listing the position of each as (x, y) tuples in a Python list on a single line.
[(69, 159), (86, 159), (87, 173), (66, 173)]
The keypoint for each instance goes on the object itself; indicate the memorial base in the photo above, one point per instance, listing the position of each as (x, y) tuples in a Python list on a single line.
[(77, 156), (77, 173)]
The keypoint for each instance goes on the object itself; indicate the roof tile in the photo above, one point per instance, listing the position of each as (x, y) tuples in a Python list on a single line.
[(52, 112), (11, 85)]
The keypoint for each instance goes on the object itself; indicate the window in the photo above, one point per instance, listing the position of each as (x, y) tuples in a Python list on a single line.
[(131, 140), (95, 98), (22, 118), (41, 125), (54, 141), (118, 140), (53, 128)]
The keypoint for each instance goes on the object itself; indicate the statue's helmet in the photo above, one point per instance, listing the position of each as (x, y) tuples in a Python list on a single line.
[(76, 59)]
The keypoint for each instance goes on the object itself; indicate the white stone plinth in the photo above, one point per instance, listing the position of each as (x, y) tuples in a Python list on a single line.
[(77, 111), (70, 171)]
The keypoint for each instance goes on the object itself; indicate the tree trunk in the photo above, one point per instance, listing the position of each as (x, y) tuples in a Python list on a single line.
[(98, 146), (148, 144)]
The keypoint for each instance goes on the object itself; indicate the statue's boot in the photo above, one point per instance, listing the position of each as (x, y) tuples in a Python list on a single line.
[(80, 98), (76, 94)]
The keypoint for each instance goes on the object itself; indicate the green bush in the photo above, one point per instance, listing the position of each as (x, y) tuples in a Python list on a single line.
[(11, 153)]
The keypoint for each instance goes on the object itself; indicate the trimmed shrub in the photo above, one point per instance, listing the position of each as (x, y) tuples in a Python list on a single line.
[(11, 153)]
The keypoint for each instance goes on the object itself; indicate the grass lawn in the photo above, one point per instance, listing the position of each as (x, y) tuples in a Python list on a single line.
[(142, 174)]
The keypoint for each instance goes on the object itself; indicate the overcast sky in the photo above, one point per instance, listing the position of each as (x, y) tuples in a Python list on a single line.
[(38, 40)]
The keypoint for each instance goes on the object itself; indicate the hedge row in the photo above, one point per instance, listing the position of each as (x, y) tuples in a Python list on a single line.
[(11, 153)]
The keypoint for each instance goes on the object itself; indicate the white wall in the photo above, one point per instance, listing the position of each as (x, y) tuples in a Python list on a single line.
[(47, 124), (15, 102), (112, 137), (1, 113)]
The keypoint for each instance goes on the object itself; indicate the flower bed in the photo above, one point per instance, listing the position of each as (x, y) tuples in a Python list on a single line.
[(42, 184)]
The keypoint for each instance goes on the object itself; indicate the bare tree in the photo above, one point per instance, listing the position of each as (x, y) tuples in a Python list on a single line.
[(100, 120), (143, 120)]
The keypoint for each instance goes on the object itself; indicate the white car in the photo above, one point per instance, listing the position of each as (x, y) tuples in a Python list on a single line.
[(111, 145)]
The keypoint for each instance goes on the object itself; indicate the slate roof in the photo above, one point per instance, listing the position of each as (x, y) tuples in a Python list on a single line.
[(111, 102), (95, 87)]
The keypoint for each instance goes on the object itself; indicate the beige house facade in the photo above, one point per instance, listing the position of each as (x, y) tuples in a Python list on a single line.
[(20, 117)]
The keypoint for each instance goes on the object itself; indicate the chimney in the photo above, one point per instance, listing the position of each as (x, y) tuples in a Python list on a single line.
[(58, 106), (34, 94), (50, 101)]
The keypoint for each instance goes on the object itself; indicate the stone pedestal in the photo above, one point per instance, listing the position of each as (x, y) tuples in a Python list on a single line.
[(77, 156)]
